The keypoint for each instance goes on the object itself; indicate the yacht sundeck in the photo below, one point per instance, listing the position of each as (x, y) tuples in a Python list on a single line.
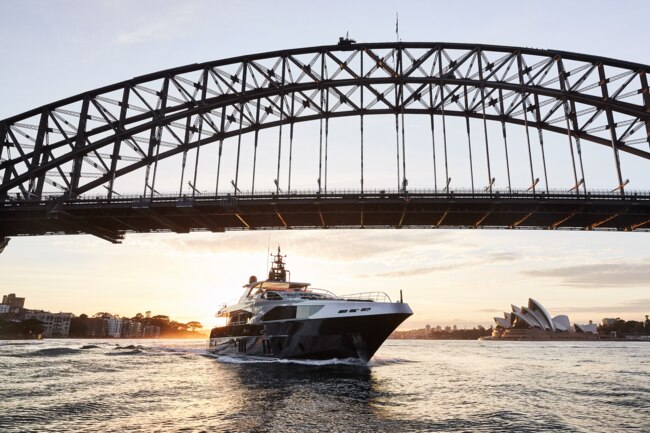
[(277, 318)]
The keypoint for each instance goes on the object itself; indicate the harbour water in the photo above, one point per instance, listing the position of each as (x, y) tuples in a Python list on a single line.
[(409, 386)]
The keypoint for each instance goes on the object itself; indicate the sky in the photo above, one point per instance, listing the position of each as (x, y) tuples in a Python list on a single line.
[(54, 49)]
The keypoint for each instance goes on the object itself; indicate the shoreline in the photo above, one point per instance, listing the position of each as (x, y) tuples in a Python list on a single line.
[(99, 338)]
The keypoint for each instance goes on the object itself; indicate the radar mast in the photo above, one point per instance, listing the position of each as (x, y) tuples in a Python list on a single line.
[(278, 272)]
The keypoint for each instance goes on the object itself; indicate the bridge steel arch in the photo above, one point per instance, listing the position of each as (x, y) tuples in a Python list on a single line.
[(82, 144)]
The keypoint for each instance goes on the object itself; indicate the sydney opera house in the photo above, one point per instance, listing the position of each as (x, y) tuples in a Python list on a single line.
[(535, 323)]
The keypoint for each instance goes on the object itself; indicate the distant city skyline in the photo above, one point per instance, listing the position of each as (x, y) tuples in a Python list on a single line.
[(54, 50)]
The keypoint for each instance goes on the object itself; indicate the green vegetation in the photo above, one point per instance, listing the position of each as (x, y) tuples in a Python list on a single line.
[(140, 325), (30, 328), (442, 334), (621, 327)]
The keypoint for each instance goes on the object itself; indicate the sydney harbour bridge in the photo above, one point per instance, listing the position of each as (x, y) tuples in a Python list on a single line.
[(353, 135)]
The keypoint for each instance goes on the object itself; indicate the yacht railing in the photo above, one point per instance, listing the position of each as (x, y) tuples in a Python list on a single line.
[(312, 294), (367, 296), (309, 294)]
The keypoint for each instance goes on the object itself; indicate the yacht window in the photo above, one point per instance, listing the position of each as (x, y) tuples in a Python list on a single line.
[(272, 296), (365, 309), (280, 313), (238, 318), (354, 310), (343, 311)]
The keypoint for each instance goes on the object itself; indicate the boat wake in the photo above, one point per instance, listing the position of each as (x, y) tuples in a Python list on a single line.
[(313, 362)]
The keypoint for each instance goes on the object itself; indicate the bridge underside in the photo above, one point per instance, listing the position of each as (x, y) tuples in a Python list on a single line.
[(111, 219)]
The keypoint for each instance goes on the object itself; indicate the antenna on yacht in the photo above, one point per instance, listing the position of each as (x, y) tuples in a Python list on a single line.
[(268, 252)]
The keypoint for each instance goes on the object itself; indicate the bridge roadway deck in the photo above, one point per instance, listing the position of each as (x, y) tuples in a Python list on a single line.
[(111, 219)]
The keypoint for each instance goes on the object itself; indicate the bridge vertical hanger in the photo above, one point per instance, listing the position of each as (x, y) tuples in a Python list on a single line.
[(612, 127), (401, 92), (538, 120), (524, 106), (186, 139), (433, 137), (469, 138), (196, 156), (79, 143), (504, 133), (223, 132), (156, 132), (241, 123), (646, 101), (485, 132), (393, 72), (277, 179), (361, 52), (204, 90), (41, 137), (9, 168), (444, 125), (565, 105), (190, 129), (293, 101), (327, 129), (4, 143), (322, 102), (257, 135)]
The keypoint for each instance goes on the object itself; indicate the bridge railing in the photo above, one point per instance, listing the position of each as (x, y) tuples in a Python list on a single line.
[(228, 199)]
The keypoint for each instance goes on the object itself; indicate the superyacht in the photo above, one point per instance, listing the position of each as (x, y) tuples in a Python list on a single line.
[(276, 318)]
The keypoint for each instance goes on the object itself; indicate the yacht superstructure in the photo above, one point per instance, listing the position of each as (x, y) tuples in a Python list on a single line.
[(277, 318)]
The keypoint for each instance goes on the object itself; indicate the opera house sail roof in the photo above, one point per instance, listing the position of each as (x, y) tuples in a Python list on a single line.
[(536, 316)]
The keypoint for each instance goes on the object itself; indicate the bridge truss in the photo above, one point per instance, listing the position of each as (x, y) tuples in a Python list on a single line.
[(61, 164)]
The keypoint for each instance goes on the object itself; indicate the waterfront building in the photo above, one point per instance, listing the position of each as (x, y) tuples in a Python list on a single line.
[(151, 331), (97, 328), (15, 304), (131, 329), (54, 324), (608, 322), (4, 308), (113, 327), (535, 323)]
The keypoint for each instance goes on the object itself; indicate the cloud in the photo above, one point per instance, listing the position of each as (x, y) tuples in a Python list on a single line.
[(333, 245), (632, 306), (166, 23), (599, 275), (412, 272), (471, 262)]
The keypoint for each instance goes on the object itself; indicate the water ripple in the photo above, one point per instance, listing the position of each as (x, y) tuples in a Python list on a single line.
[(416, 386)]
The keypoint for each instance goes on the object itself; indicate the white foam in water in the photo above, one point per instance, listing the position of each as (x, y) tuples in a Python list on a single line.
[(377, 361), (315, 362), (180, 350)]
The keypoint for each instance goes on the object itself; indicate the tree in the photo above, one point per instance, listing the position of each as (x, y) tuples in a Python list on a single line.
[(78, 326), (194, 325), (31, 327)]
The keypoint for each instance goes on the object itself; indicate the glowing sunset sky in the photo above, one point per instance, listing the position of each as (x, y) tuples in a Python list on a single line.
[(52, 50)]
